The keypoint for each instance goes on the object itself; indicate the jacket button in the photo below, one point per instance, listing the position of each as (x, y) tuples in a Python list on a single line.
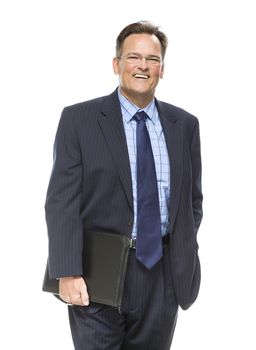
[(129, 223)]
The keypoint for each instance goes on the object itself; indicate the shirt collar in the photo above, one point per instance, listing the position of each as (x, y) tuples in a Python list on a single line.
[(130, 108)]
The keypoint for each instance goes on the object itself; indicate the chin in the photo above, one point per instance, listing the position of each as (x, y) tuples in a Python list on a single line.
[(142, 90), (137, 92)]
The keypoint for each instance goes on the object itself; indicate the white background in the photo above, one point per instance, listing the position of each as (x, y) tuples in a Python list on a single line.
[(56, 53)]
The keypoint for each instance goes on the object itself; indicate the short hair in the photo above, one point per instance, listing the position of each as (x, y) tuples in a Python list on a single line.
[(141, 28)]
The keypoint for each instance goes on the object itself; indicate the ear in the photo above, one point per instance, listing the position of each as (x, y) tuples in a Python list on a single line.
[(115, 64), (162, 72)]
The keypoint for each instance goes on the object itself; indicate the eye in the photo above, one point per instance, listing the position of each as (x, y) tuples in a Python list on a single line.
[(153, 60), (133, 58)]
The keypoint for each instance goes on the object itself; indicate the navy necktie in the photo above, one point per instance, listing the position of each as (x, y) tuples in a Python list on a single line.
[(149, 238)]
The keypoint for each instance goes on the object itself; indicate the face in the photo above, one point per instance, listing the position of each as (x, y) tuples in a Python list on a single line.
[(138, 81)]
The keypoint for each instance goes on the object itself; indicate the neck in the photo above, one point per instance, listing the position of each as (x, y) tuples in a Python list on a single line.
[(140, 101)]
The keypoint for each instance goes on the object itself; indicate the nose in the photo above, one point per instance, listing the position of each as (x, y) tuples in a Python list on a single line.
[(143, 64)]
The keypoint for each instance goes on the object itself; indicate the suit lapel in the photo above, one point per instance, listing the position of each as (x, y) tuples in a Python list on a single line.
[(174, 142), (111, 124)]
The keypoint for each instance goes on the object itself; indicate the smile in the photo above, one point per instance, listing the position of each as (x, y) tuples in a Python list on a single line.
[(141, 76)]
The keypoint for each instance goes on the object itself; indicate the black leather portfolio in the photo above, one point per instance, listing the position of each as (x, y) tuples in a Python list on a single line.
[(105, 262)]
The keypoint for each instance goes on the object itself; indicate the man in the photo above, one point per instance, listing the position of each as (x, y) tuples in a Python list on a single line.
[(129, 164)]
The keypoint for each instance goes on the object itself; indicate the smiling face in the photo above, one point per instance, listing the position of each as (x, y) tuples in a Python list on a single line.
[(138, 81)]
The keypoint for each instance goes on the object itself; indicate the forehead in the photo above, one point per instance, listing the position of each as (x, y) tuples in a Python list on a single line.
[(142, 43)]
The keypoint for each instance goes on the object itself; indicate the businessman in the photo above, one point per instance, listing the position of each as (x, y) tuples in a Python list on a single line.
[(128, 164)]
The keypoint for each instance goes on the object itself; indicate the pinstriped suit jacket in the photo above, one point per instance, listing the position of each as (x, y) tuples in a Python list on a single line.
[(90, 187)]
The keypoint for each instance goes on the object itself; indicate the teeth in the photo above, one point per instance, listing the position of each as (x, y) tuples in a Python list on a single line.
[(141, 76)]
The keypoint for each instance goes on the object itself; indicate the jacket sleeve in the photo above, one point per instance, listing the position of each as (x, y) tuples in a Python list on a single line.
[(197, 196), (62, 205)]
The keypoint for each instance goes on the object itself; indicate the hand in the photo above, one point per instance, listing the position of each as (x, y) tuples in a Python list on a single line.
[(73, 290)]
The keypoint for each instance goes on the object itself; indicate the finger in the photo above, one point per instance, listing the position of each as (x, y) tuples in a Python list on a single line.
[(65, 298), (84, 295), (73, 299)]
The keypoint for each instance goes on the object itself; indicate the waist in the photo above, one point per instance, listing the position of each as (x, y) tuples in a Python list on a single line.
[(165, 241)]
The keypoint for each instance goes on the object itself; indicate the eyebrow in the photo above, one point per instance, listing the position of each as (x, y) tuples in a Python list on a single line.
[(138, 54)]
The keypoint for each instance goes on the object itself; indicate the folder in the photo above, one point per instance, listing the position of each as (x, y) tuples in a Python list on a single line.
[(105, 261)]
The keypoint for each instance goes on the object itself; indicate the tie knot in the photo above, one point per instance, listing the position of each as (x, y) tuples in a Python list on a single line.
[(140, 116)]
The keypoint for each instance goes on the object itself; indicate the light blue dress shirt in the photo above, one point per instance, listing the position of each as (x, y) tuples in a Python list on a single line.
[(159, 152)]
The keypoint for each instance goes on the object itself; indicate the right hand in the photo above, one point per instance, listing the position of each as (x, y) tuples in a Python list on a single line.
[(73, 290)]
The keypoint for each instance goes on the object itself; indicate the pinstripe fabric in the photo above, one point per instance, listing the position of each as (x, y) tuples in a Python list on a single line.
[(160, 156), (145, 323), (91, 187)]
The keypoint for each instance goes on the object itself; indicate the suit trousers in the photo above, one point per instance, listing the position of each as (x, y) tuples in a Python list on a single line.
[(148, 313)]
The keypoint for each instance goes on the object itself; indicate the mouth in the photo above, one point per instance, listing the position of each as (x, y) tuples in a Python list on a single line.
[(141, 76)]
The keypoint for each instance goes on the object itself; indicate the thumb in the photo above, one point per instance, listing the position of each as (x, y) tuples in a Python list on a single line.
[(84, 294)]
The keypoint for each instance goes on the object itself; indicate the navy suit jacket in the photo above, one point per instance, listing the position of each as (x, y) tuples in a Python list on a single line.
[(91, 188)]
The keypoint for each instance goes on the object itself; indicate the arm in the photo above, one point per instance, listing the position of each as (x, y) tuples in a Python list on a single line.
[(62, 205), (62, 209), (197, 196)]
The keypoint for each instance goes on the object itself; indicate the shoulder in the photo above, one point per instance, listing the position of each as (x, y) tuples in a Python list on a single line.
[(187, 121), (176, 113), (183, 119), (91, 109), (85, 114), (85, 107)]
